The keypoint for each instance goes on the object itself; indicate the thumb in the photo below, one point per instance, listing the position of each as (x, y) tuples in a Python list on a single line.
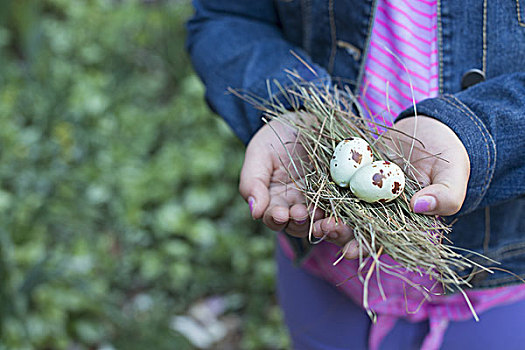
[(444, 197), (255, 181)]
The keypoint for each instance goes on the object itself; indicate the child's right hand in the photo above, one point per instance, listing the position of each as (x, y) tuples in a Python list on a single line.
[(266, 185)]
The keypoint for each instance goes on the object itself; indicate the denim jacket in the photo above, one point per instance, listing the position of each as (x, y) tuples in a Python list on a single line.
[(243, 44)]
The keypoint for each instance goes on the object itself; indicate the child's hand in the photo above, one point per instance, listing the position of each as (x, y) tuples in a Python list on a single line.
[(266, 185), (444, 177)]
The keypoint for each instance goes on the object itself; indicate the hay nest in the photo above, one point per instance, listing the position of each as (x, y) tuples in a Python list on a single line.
[(323, 117)]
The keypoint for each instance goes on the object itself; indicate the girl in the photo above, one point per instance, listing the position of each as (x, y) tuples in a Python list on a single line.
[(463, 63)]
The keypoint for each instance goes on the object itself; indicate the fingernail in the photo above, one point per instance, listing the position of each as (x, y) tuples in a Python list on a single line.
[(424, 204), (279, 222), (301, 222), (251, 204)]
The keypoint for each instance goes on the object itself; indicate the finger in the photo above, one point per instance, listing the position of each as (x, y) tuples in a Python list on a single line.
[(255, 181), (299, 228), (328, 227), (337, 231), (317, 231), (299, 223), (436, 200), (277, 216), (446, 194), (283, 197), (299, 213), (351, 250), (344, 234), (318, 214)]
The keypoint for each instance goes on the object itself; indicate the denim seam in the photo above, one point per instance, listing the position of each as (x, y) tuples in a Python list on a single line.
[(518, 11), (508, 255), (306, 6), (512, 254), (515, 249), (463, 108), (497, 282), (333, 37), (440, 46), (486, 238), (484, 59), (507, 252), (466, 111), (366, 47)]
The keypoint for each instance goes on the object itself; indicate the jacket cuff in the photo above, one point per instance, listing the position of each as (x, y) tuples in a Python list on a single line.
[(477, 140)]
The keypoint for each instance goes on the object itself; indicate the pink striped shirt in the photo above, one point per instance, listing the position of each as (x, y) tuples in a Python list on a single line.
[(402, 62)]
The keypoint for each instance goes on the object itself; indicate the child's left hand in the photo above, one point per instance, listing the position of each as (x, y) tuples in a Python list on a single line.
[(265, 181)]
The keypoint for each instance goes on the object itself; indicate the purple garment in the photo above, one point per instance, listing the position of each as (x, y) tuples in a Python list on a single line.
[(319, 317)]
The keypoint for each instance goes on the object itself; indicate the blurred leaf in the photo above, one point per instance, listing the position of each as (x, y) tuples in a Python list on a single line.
[(118, 188)]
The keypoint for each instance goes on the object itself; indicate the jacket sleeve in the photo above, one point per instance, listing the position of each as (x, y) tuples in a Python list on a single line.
[(489, 118), (238, 44)]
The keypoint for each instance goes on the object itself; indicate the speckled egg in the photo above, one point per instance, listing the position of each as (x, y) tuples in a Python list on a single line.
[(349, 155), (380, 181)]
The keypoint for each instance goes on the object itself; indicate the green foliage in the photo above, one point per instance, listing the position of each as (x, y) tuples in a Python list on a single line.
[(117, 184)]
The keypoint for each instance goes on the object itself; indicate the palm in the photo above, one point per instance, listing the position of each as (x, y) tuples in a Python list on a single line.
[(269, 170)]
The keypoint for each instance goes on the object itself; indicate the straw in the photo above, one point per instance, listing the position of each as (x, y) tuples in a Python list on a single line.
[(322, 117)]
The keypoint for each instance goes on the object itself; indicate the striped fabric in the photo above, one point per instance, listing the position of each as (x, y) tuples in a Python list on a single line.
[(402, 64), (402, 61)]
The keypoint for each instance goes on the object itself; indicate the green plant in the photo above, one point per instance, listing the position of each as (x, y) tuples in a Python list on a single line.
[(117, 184)]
